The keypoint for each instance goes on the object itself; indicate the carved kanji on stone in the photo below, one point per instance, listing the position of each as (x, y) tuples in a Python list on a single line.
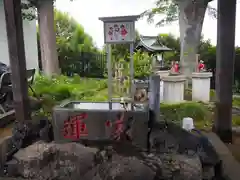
[(75, 127)]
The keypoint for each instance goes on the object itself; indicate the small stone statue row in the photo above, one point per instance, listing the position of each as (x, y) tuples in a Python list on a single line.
[(175, 68)]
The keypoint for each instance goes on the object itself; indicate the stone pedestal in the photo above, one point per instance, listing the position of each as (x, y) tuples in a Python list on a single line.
[(173, 88), (162, 73), (201, 86)]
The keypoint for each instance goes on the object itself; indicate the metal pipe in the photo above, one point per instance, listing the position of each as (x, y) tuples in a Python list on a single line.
[(109, 67), (131, 72)]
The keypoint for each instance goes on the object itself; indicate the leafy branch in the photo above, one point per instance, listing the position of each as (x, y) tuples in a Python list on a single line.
[(168, 11)]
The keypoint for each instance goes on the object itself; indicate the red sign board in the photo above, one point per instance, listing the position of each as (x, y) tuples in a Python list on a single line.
[(74, 127)]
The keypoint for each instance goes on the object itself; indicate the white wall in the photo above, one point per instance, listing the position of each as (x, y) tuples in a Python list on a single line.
[(30, 40)]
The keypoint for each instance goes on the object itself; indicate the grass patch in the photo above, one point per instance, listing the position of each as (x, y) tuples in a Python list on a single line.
[(236, 101), (236, 120), (55, 90), (176, 112), (202, 113), (188, 95)]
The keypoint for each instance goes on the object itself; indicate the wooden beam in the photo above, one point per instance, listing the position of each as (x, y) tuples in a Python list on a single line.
[(225, 68), (14, 29)]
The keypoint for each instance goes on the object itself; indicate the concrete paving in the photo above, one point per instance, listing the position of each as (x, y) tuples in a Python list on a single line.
[(231, 167)]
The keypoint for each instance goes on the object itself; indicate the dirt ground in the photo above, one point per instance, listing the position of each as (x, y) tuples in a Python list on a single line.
[(7, 131)]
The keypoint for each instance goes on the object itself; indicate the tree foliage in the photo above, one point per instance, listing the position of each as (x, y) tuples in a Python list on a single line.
[(76, 50), (173, 42), (207, 53), (71, 37), (168, 11)]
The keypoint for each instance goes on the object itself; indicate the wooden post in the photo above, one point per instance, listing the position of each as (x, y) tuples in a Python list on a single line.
[(14, 29), (225, 68)]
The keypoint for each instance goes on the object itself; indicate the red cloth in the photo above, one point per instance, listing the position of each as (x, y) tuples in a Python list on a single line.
[(201, 66), (176, 68)]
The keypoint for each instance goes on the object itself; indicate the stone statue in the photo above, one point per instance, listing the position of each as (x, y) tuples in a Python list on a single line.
[(174, 71), (201, 66)]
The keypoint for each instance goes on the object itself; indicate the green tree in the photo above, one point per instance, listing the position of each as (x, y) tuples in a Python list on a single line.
[(70, 36), (190, 14), (172, 42), (75, 47)]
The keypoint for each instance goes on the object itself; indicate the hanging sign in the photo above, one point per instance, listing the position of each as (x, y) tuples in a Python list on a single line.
[(120, 29), (119, 32)]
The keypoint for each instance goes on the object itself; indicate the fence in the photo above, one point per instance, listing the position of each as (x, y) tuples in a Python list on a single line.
[(86, 64)]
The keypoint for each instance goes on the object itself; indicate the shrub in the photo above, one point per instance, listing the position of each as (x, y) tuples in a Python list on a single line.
[(236, 101), (63, 87), (202, 113), (176, 112), (142, 65), (212, 95), (188, 95), (236, 120), (58, 88)]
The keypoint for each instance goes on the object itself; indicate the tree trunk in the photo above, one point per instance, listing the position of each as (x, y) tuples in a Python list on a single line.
[(191, 16), (49, 57)]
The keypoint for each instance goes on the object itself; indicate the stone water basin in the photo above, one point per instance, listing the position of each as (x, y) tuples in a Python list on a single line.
[(99, 121)]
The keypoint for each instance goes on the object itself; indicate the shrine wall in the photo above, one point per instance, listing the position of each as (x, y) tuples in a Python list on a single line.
[(30, 40)]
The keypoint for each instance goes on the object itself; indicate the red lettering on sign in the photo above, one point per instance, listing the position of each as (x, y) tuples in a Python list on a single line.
[(74, 127), (119, 128), (108, 124)]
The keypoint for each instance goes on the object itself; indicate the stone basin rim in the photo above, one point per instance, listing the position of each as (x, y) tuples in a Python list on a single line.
[(202, 75), (177, 78)]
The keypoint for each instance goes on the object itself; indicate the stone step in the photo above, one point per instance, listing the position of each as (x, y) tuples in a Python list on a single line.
[(230, 166)]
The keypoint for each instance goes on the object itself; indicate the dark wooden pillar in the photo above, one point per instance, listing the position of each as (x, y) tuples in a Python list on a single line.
[(225, 68), (14, 29)]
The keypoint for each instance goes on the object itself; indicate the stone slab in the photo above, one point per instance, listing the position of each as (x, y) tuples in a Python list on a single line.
[(231, 168)]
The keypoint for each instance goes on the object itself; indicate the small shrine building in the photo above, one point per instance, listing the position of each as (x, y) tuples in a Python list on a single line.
[(153, 46)]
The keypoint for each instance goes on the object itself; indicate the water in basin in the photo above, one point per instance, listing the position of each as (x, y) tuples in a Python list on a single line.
[(99, 106)]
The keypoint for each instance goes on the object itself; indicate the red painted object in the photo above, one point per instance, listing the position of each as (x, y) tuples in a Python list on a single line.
[(74, 127), (176, 68), (108, 124), (118, 128), (201, 66)]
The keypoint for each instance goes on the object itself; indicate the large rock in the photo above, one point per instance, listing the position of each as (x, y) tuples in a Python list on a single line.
[(175, 166), (50, 161), (121, 168), (74, 161), (173, 138)]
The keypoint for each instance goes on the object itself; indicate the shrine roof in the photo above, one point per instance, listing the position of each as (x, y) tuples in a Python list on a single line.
[(152, 44), (119, 18)]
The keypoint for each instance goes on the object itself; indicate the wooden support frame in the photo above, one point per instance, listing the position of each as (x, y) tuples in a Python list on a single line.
[(14, 28), (225, 69)]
